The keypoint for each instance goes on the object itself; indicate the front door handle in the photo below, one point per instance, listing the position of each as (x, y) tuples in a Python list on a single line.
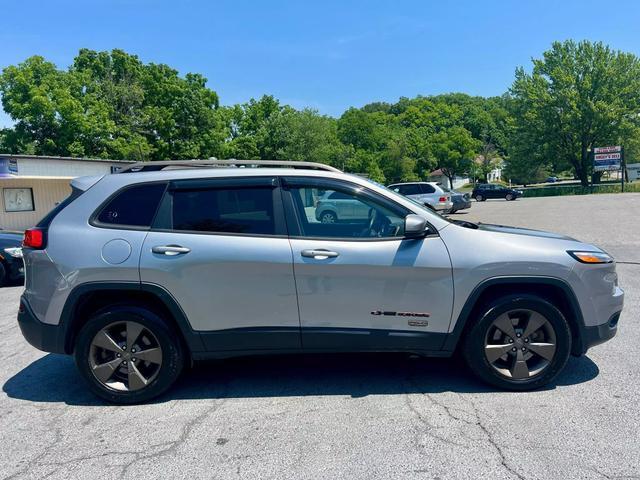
[(319, 254), (170, 250)]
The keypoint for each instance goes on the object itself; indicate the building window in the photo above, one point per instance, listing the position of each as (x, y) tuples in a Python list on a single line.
[(18, 200)]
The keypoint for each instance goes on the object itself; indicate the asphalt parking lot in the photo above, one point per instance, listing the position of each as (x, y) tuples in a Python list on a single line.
[(346, 416)]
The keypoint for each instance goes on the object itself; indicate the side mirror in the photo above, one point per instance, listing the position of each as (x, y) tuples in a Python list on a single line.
[(415, 226)]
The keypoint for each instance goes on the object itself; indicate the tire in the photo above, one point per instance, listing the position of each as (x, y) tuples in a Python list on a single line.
[(328, 217), (3, 275), (126, 384), (485, 340), (479, 198), (509, 197)]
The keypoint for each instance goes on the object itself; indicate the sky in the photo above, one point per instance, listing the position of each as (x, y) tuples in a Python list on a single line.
[(328, 55)]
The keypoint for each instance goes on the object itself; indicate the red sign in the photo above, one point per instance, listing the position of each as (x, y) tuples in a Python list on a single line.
[(607, 156)]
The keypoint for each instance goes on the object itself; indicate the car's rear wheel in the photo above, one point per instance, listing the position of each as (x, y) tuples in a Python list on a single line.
[(479, 198), (520, 342), (328, 217), (128, 354), (509, 197)]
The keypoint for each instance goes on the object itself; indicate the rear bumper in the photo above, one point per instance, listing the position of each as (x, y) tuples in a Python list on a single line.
[(48, 338), (440, 206)]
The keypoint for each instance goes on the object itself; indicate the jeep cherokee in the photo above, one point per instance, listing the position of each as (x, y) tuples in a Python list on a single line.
[(141, 272)]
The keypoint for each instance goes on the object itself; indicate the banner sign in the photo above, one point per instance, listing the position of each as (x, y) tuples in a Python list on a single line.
[(617, 148), (607, 158)]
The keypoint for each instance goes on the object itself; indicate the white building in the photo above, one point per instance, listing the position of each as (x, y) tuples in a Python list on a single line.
[(32, 185), (438, 176), (633, 171)]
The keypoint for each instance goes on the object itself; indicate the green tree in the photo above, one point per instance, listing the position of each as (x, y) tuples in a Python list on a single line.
[(110, 104), (578, 96), (454, 150)]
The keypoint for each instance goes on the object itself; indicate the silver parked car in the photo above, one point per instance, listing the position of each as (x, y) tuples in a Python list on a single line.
[(139, 273), (333, 206), (426, 193)]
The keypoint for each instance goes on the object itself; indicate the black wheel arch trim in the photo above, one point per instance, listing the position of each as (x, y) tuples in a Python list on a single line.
[(579, 346), (191, 337)]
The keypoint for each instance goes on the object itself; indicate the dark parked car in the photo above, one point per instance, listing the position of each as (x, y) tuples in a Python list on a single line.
[(11, 266), (490, 190)]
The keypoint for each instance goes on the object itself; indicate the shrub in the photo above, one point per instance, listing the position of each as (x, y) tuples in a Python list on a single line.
[(557, 190)]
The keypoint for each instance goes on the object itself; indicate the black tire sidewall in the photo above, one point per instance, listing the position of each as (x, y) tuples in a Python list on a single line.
[(172, 353), (473, 347), (479, 198)]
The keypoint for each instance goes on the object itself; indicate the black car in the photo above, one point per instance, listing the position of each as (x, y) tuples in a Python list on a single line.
[(490, 190), (11, 266)]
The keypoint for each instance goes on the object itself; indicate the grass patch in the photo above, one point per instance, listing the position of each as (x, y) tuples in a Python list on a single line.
[(553, 191)]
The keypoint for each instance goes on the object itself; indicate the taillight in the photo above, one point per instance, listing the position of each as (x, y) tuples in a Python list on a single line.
[(444, 199), (33, 238)]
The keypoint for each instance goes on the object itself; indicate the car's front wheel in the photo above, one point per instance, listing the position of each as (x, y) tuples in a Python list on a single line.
[(520, 342), (509, 197), (128, 354)]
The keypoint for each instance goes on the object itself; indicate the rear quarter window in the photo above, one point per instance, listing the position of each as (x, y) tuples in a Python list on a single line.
[(133, 207)]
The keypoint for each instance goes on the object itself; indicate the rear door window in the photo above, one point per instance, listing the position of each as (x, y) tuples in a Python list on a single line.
[(219, 209)]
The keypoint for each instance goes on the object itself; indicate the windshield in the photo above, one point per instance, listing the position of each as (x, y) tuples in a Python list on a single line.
[(421, 206)]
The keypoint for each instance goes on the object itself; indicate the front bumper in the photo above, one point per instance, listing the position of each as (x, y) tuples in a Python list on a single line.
[(45, 337), (15, 269), (595, 335)]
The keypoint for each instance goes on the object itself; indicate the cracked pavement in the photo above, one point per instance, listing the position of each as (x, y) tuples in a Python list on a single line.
[(346, 416)]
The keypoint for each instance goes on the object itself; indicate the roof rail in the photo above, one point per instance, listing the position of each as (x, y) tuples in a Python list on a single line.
[(154, 166)]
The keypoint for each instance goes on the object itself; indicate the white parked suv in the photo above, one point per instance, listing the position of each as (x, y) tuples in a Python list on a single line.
[(429, 194)]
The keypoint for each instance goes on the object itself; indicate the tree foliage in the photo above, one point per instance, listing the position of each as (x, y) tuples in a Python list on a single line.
[(112, 105), (578, 96)]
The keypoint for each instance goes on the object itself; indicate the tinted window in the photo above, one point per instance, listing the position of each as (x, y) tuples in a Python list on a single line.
[(134, 206), (339, 196), (413, 189), (224, 210), (356, 216), (426, 188)]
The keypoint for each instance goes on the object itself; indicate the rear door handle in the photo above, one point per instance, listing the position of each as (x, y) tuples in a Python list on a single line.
[(319, 254), (170, 250)]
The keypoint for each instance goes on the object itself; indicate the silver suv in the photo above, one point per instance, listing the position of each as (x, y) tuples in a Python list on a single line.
[(430, 194), (140, 273)]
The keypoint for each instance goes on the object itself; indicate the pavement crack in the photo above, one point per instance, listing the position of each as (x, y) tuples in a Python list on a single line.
[(492, 441), (169, 448), (430, 427)]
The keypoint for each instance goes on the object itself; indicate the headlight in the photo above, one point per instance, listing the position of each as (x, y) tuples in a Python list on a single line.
[(590, 257), (15, 252)]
